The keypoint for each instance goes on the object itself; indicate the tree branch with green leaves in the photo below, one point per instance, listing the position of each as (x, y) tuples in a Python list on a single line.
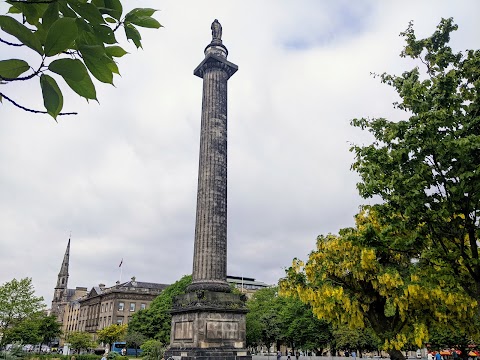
[(73, 39)]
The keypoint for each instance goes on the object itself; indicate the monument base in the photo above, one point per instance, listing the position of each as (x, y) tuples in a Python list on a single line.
[(208, 325)]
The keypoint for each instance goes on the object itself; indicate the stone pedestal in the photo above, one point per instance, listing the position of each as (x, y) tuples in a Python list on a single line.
[(208, 325)]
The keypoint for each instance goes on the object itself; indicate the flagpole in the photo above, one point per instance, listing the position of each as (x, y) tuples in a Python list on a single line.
[(121, 270)]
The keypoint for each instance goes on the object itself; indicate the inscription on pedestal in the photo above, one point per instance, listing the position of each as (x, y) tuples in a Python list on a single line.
[(183, 330), (222, 330)]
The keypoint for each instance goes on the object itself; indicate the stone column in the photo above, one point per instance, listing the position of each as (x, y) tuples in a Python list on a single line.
[(210, 252), (208, 322)]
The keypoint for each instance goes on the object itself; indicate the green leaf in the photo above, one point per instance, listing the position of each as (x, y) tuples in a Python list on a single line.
[(139, 12), (50, 16), (14, 10), (21, 32), (97, 62), (88, 11), (145, 21), (52, 96), (115, 51), (113, 67), (31, 11), (75, 75), (83, 26), (98, 3), (132, 33), (41, 33), (110, 20), (12, 68), (114, 8), (65, 10), (61, 35), (105, 34)]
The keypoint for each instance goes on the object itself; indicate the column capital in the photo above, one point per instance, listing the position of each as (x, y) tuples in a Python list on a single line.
[(215, 61)]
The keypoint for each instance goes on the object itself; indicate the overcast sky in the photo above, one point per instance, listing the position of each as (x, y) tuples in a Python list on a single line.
[(122, 175)]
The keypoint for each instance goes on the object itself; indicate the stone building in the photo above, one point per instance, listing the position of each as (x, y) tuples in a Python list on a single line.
[(245, 285), (103, 306), (82, 310), (71, 311)]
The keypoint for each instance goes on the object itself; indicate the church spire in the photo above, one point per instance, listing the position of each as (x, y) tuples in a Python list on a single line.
[(60, 292), (63, 274)]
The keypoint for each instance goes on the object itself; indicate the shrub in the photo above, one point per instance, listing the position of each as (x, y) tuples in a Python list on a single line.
[(152, 350)]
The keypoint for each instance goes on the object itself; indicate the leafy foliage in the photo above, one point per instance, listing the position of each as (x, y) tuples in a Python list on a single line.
[(17, 304), (152, 350), (361, 339), (134, 339), (426, 169), (263, 318), (359, 278), (49, 329), (276, 319), (74, 40), (35, 329), (156, 321), (112, 333), (80, 340), (301, 328)]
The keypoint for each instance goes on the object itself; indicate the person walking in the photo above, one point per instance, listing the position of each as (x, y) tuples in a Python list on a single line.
[(279, 355)]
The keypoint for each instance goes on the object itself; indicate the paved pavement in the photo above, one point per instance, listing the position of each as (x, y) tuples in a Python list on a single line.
[(284, 357)]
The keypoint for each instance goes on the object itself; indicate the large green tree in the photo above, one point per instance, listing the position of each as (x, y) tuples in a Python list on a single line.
[(49, 329), (70, 40), (25, 331), (17, 303), (156, 321), (264, 322), (37, 328), (426, 168), (274, 319), (301, 329)]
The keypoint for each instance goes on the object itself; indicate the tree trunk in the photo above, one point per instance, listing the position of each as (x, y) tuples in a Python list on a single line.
[(396, 355)]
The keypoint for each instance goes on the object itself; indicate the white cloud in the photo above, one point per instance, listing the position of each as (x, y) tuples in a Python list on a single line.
[(122, 175)]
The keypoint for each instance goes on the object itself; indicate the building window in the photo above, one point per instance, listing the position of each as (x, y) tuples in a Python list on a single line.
[(132, 306), (111, 306), (121, 306), (143, 306), (103, 307), (109, 320), (120, 320)]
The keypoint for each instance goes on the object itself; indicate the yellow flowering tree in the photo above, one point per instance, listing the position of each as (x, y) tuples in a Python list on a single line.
[(368, 276)]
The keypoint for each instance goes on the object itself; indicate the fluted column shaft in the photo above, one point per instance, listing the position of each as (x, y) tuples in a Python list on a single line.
[(210, 253)]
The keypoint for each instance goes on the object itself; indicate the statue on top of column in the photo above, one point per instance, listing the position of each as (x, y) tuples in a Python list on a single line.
[(216, 31)]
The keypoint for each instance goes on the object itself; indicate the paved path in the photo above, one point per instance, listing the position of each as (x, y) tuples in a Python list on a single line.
[(284, 357)]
